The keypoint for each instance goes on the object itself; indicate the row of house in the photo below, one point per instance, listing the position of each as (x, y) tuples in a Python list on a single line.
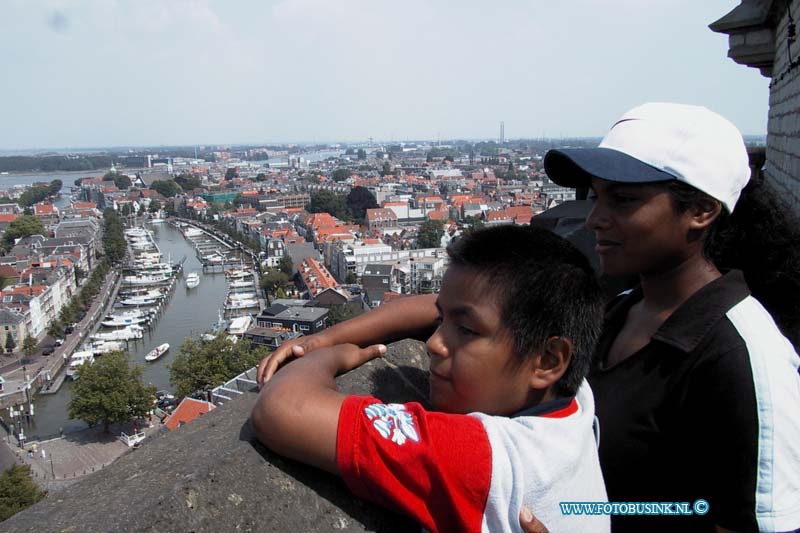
[(40, 272)]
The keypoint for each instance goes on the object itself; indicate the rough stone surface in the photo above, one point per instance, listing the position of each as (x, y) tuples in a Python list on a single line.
[(212, 475)]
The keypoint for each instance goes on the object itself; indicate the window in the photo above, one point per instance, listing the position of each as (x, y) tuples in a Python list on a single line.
[(303, 328)]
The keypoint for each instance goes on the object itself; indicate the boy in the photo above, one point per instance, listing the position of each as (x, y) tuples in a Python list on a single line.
[(519, 312)]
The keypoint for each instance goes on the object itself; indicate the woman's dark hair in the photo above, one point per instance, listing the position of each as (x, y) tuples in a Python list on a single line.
[(545, 288), (762, 239)]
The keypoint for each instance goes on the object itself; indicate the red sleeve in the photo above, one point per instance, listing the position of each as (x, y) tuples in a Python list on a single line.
[(435, 467)]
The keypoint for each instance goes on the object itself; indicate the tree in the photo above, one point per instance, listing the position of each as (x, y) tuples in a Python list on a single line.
[(23, 226), (340, 174), (154, 206), (340, 313), (351, 279), (430, 234), (110, 391), (34, 195), (200, 366), (17, 490), (231, 173), (10, 343), (166, 188), (29, 346), (56, 329), (122, 181), (55, 186), (273, 279), (188, 182), (329, 202), (359, 200), (261, 177), (362, 154), (286, 265)]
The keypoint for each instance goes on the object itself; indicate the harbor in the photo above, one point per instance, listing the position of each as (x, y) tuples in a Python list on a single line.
[(183, 312)]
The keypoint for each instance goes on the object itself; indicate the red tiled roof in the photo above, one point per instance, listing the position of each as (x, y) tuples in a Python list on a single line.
[(316, 277), (188, 410), (8, 217), (44, 209)]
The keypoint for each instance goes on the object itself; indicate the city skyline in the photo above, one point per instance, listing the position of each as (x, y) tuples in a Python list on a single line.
[(88, 74)]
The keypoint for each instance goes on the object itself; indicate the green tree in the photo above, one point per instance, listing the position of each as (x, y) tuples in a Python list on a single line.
[(188, 181), (286, 265), (154, 206), (351, 279), (34, 195), (362, 154), (231, 173), (329, 202), (29, 346), (201, 366), (273, 279), (430, 234), (10, 343), (261, 177), (359, 200), (110, 391), (340, 174), (23, 226), (166, 188), (122, 181), (340, 313), (55, 329), (17, 490), (55, 186)]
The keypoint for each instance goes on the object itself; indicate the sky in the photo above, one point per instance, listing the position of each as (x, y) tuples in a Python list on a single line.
[(95, 73)]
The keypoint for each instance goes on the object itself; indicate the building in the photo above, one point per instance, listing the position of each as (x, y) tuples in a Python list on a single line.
[(12, 326), (315, 277), (762, 35), (381, 217), (305, 320), (189, 409), (268, 337)]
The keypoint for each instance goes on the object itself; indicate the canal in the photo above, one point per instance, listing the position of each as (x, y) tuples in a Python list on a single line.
[(187, 313)]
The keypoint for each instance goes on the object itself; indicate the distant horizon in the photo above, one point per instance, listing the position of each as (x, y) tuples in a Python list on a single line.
[(345, 144)]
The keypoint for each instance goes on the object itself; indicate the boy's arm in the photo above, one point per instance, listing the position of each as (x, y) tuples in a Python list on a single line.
[(412, 316), (297, 411)]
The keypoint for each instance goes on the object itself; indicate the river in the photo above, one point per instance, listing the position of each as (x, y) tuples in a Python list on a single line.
[(188, 312)]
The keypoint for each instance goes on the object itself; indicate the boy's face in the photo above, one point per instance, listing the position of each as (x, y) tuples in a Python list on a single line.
[(472, 364)]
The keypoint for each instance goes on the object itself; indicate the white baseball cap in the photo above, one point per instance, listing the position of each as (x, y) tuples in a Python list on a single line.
[(660, 142)]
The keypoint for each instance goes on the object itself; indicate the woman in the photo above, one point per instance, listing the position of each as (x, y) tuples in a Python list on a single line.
[(696, 388)]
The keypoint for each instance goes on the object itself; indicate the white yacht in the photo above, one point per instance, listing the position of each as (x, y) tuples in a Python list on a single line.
[(157, 352), (192, 280), (76, 361)]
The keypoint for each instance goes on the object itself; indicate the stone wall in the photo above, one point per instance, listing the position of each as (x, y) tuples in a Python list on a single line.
[(212, 475), (760, 37), (783, 137)]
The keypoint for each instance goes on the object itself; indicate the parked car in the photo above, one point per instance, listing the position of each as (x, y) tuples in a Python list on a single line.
[(49, 350), (59, 341), (68, 330)]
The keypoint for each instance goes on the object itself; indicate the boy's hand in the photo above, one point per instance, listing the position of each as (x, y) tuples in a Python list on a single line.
[(347, 357), (288, 350)]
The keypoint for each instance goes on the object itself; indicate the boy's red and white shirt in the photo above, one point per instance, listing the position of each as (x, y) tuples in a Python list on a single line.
[(473, 472)]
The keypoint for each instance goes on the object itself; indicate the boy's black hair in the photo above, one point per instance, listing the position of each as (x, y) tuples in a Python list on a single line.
[(545, 288)]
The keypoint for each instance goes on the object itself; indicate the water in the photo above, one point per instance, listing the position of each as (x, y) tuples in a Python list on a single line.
[(188, 313), (67, 178)]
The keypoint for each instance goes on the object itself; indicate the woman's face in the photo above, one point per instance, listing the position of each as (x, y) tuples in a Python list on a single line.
[(638, 228)]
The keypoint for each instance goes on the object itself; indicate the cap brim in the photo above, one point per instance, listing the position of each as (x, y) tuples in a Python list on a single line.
[(575, 167)]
